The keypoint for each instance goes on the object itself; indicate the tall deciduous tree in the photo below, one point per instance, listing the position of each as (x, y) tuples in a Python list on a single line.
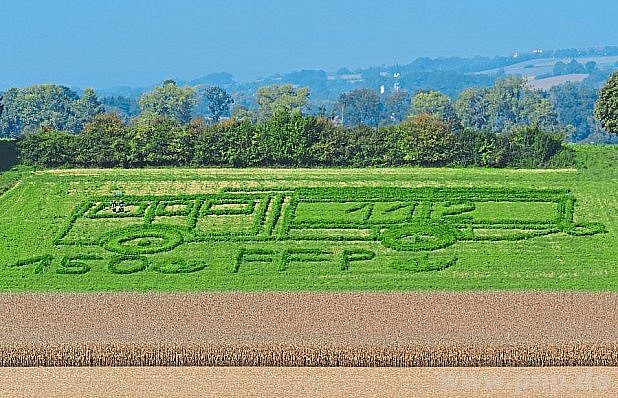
[(284, 97), (538, 110), (49, 106), (125, 107), (436, 104), (472, 107), (219, 102), (574, 103), (397, 107), (606, 109), (171, 101), (509, 104), (505, 103), (360, 106), (85, 109), (30, 108)]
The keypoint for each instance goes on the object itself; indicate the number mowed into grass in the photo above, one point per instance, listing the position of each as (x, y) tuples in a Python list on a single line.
[(351, 229)]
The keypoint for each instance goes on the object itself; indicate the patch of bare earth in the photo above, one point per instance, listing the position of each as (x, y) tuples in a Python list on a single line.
[(308, 382), (309, 329)]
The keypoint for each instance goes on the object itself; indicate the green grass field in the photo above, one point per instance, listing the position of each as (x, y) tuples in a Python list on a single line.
[(318, 229)]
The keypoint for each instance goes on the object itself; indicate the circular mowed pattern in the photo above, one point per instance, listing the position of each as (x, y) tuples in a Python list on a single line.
[(420, 236), (142, 239)]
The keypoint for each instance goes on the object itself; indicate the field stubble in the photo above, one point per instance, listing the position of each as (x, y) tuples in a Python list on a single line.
[(309, 382)]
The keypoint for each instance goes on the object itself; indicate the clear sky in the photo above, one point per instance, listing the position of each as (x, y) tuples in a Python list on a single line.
[(104, 43)]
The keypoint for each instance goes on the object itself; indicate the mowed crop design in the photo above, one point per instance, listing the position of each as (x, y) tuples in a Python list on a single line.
[(171, 230)]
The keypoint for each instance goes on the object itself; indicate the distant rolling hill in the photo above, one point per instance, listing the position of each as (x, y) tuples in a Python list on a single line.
[(540, 66)]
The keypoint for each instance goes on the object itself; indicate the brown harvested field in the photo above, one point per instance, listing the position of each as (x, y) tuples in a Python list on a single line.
[(310, 329), (308, 382)]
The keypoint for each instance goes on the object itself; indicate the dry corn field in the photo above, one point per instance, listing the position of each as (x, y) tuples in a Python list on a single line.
[(309, 329)]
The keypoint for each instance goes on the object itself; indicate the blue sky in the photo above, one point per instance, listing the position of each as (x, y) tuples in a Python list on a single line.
[(108, 43)]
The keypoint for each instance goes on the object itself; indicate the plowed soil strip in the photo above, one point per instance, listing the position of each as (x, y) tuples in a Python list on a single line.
[(309, 329), (308, 382)]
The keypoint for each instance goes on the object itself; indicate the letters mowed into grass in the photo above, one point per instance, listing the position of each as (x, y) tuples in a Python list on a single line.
[(392, 229)]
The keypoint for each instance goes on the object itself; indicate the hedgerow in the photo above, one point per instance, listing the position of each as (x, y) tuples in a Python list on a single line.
[(290, 140)]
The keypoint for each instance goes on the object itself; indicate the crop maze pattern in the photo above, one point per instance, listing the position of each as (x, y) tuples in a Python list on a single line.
[(419, 220)]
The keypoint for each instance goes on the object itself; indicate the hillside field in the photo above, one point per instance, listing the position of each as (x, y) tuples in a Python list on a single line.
[(540, 66), (312, 229)]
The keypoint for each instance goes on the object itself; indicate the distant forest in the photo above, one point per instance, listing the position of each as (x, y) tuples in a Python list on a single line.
[(464, 91)]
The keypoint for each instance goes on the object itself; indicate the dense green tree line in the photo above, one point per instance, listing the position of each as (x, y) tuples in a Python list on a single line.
[(505, 125), (507, 106), (288, 138)]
